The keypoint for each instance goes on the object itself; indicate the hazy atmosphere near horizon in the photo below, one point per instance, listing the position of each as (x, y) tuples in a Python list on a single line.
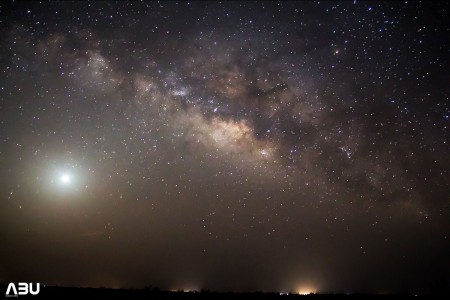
[(234, 146)]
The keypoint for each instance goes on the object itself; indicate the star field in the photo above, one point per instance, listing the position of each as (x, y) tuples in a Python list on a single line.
[(232, 146)]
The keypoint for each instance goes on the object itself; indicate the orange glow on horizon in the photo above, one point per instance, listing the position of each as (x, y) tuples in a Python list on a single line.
[(306, 290)]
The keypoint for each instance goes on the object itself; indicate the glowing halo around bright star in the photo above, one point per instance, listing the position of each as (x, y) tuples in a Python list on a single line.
[(65, 178)]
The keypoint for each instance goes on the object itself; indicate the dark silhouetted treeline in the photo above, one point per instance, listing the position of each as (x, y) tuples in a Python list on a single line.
[(155, 293)]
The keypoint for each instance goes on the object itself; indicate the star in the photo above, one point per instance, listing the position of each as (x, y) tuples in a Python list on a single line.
[(65, 178)]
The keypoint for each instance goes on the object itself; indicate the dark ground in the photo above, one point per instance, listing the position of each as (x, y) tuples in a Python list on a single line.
[(155, 293)]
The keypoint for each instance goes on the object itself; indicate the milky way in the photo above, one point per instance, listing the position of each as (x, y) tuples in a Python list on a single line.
[(230, 146)]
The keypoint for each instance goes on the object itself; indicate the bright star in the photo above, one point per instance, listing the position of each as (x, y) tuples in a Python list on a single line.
[(65, 178)]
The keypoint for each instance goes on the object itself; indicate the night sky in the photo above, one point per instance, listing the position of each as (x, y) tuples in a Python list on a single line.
[(298, 146)]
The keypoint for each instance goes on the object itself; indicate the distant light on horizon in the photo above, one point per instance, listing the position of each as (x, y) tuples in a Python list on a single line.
[(306, 290)]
